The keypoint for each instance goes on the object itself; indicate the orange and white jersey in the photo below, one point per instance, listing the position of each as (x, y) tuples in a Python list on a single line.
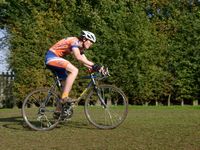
[(64, 46)]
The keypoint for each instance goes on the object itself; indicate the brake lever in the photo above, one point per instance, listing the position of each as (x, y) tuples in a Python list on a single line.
[(107, 72)]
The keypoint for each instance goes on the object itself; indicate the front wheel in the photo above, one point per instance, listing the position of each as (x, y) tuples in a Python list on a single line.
[(106, 107), (38, 109)]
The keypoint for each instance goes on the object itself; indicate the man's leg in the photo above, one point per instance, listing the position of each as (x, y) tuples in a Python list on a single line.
[(60, 66), (72, 74)]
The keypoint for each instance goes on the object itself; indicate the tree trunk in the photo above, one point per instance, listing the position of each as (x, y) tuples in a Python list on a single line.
[(146, 103), (156, 103), (182, 102), (168, 101), (195, 102)]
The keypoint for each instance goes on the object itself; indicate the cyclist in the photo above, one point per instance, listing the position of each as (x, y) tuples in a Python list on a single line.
[(65, 69)]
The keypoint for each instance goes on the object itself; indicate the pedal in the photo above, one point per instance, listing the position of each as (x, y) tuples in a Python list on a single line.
[(67, 112)]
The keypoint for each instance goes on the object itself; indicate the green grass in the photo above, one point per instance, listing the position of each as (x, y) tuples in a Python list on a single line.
[(148, 128)]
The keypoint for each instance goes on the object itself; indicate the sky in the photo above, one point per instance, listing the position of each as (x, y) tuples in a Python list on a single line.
[(3, 55)]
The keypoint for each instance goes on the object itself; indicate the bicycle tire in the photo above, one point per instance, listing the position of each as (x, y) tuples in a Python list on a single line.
[(38, 115), (116, 107)]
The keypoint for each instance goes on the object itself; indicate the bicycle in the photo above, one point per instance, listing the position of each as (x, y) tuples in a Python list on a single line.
[(105, 107)]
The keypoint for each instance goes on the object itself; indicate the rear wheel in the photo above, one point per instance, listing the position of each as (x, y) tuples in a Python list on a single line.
[(110, 115), (38, 109)]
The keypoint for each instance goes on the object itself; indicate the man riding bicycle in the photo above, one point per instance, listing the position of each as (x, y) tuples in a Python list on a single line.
[(105, 105), (63, 68)]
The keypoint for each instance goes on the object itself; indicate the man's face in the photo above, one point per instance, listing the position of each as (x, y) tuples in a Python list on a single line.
[(87, 44)]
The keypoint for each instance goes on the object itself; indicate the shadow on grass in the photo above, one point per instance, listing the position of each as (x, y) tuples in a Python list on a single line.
[(15, 123), (77, 124)]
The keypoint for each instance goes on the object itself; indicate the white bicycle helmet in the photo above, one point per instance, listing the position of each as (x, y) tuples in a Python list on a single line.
[(88, 35)]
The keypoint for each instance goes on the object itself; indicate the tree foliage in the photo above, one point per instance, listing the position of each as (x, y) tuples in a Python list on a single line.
[(151, 47)]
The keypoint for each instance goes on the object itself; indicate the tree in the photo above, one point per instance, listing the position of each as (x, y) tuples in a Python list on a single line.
[(150, 46)]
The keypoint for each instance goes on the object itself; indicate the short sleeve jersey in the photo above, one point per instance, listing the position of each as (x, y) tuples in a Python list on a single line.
[(64, 46)]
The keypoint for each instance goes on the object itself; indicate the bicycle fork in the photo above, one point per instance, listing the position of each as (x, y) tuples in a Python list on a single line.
[(98, 91)]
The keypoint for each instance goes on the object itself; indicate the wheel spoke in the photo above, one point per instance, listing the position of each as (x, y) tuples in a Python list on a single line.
[(38, 109), (114, 113), (109, 116)]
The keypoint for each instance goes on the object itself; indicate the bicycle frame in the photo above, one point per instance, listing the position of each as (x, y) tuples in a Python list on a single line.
[(92, 83)]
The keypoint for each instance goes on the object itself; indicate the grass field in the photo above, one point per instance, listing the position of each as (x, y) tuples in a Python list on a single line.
[(146, 128)]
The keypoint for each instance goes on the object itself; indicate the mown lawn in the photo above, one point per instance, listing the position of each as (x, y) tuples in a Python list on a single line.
[(146, 128)]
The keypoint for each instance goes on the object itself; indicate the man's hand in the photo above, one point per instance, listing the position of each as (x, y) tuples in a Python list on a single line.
[(96, 67)]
